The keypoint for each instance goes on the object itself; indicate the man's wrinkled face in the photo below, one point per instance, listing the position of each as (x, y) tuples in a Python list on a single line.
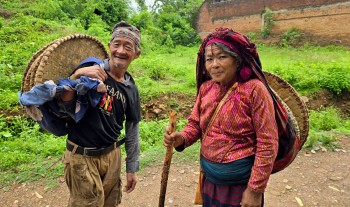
[(122, 52)]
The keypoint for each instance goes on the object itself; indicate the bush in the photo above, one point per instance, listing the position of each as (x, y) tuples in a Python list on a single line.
[(14, 126), (143, 21), (51, 10), (2, 21), (154, 68), (178, 29), (267, 16), (290, 37), (337, 80), (86, 10), (324, 127), (319, 138), (325, 120), (252, 36)]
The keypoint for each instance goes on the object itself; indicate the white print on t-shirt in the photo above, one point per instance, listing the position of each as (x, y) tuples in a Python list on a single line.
[(116, 94)]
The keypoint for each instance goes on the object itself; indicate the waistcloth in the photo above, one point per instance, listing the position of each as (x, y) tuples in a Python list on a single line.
[(220, 195), (90, 151), (232, 173)]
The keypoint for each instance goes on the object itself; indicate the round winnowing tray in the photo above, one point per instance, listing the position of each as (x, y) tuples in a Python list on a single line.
[(293, 100), (31, 68), (59, 58)]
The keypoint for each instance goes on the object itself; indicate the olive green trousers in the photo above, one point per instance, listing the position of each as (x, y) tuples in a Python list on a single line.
[(93, 181)]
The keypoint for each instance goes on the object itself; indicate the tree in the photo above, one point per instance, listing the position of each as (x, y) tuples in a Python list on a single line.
[(89, 11)]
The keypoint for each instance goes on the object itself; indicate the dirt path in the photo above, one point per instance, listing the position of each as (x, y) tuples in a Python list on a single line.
[(319, 179)]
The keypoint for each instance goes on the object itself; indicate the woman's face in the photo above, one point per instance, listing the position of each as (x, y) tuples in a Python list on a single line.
[(221, 66)]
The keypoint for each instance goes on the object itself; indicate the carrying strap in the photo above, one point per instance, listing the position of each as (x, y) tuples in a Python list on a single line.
[(218, 108), (198, 200)]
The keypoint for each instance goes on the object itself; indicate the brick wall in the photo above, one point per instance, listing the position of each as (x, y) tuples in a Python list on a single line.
[(328, 20)]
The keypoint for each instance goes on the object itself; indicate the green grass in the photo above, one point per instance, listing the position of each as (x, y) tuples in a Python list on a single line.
[(26, 151), (309, 69), (162, 73), (326, 126)]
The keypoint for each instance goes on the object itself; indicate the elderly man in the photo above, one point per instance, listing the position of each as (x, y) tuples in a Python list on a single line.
[(93, 156)]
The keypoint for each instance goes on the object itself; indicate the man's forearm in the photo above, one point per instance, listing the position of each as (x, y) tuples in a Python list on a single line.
[(132, 146)]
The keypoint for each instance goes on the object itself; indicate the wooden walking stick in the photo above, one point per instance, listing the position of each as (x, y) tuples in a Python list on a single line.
[(167, 162)]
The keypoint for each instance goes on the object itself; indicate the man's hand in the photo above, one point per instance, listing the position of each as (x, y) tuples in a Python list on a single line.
[(131, 181), (251, 198), (172, 139), (92, 72)]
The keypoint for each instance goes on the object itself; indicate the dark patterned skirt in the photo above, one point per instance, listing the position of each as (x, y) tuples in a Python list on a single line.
[(219, 195)]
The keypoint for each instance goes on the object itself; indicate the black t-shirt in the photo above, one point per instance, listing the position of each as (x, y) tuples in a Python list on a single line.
[(102, 125)]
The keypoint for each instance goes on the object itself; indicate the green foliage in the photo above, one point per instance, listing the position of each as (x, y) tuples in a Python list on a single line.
[(143, 21), (113, 11), (325, 120), (323, 125), (180, 31), (320, 138), (290, 37), (23, 34), (23, 140), (12, 79), (345, 128), (27, 150), (186, 9), (153, 68), (155, 156), (13, 126), (8, 100), (337, 80), (152, 133), (2, 22), (89, 12), (252, 36), (164, 72), (169, 23), (141, 5), (16, 5), (267, 16), (51, 10), (309, 69), (265, 32)]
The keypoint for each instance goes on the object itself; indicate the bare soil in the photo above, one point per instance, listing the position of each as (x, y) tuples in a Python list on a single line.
[(318, 178)]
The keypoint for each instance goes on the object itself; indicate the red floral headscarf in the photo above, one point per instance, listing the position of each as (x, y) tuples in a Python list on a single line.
[(238, 43)]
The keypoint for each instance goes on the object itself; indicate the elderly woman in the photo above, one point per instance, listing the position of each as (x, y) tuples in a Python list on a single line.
[(234, 118)]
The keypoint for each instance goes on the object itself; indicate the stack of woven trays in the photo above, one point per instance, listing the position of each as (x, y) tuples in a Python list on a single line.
[(294, 102), (59, 58)]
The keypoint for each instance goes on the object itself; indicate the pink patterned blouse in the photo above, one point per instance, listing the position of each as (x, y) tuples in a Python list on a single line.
[(245, 126)]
